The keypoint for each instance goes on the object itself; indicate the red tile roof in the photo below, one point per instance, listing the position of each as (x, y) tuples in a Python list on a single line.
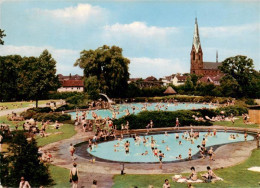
[(72, 83)]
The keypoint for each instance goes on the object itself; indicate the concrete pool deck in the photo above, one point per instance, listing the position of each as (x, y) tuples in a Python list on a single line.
[(226, 156)]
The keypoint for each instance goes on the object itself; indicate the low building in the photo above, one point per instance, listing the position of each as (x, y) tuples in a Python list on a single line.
[(211, 80), (174, 79), (146, 83), (71, 83), (71, 86)]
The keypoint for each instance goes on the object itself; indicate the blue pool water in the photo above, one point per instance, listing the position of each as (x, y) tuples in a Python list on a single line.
[(138, 107), (106, 150)]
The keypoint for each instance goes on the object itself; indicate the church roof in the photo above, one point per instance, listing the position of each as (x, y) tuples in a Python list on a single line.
[(196, 37), (211, 65)]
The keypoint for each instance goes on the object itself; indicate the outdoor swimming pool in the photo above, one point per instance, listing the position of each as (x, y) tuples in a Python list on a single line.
[(138, 107), (106, 150)]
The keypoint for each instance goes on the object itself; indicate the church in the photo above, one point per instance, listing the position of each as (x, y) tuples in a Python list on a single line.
[(198, 66)]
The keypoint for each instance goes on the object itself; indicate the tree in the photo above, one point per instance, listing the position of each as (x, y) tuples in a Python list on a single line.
[(2, 35), (108, 69), (229, 86), (8, 77), (37, 76), (24, 161), (188, 86), (241, 69)]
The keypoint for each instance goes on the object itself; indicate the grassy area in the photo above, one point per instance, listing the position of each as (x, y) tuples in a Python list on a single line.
[(23, 104), (60, 176), (238, 123), (237, 176), (65, 131)]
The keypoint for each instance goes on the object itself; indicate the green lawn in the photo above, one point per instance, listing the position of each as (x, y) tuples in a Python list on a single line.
[(238, 123), (22, 104), (237, 176), (60, 176), (65, 131)]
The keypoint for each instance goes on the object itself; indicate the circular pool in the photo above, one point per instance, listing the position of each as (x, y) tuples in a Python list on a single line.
[(138, 107), (108, 151)]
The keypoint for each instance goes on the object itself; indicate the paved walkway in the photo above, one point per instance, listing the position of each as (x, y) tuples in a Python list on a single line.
[(226, 155)]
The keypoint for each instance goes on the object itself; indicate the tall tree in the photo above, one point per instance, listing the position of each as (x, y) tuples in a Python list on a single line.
[(241, 69), (24, 161), (8, 77), (106, 69), (37, 76), (2, 35)]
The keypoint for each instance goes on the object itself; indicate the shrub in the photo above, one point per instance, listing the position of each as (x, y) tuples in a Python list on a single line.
[(161, 119), (250, 102), (235, 110)]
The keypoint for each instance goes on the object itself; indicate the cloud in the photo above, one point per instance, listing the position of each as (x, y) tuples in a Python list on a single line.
[(65, 57), (139, 30), (228, 31), (158, 67), (78, 14)]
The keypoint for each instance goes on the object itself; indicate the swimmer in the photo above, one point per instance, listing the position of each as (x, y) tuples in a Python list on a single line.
[(145, 153), (167, 148), (155, 152), (179, 157), (177, 136), (163, 141), (166, 134), (180, 143)]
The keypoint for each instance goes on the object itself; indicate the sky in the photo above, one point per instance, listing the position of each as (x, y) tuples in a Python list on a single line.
[(155, 35)]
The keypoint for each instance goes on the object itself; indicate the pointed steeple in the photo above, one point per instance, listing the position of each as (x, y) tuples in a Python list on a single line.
[(196, 36), (217, 57)]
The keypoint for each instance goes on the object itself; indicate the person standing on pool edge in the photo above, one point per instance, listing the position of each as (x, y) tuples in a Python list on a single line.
[(161, 155), (177, 123)]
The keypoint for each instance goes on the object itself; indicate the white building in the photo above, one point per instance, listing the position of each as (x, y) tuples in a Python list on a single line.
[(71, 85)]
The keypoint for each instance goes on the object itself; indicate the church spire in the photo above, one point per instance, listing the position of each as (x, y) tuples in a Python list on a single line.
[(217, 57), (196, 36)]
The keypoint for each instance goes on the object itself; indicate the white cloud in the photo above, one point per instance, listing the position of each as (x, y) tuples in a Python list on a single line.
[(138, 29), (78, 14), (158, 67), (65, 57), (227, 31)]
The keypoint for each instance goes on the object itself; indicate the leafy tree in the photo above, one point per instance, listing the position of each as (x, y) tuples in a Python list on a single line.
[(2, 35), (229, 86), (37, 76), (188, 86), (108, 68), (8, 77), (24, 161), (241, 69)]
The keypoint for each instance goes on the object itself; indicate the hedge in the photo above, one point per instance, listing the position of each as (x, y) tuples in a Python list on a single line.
[(161, 119), (40, 114), (70, 107), (184, 98)]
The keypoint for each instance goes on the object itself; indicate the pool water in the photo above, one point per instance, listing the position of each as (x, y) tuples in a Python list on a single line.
[(138, 108), (106, 150)]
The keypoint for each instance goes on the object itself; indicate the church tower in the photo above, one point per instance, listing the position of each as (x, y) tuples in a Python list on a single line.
[(196, 54)]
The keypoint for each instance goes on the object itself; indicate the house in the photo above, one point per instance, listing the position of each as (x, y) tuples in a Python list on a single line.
[(211, 80), (179, 79), (71, 83), (150, 81)]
